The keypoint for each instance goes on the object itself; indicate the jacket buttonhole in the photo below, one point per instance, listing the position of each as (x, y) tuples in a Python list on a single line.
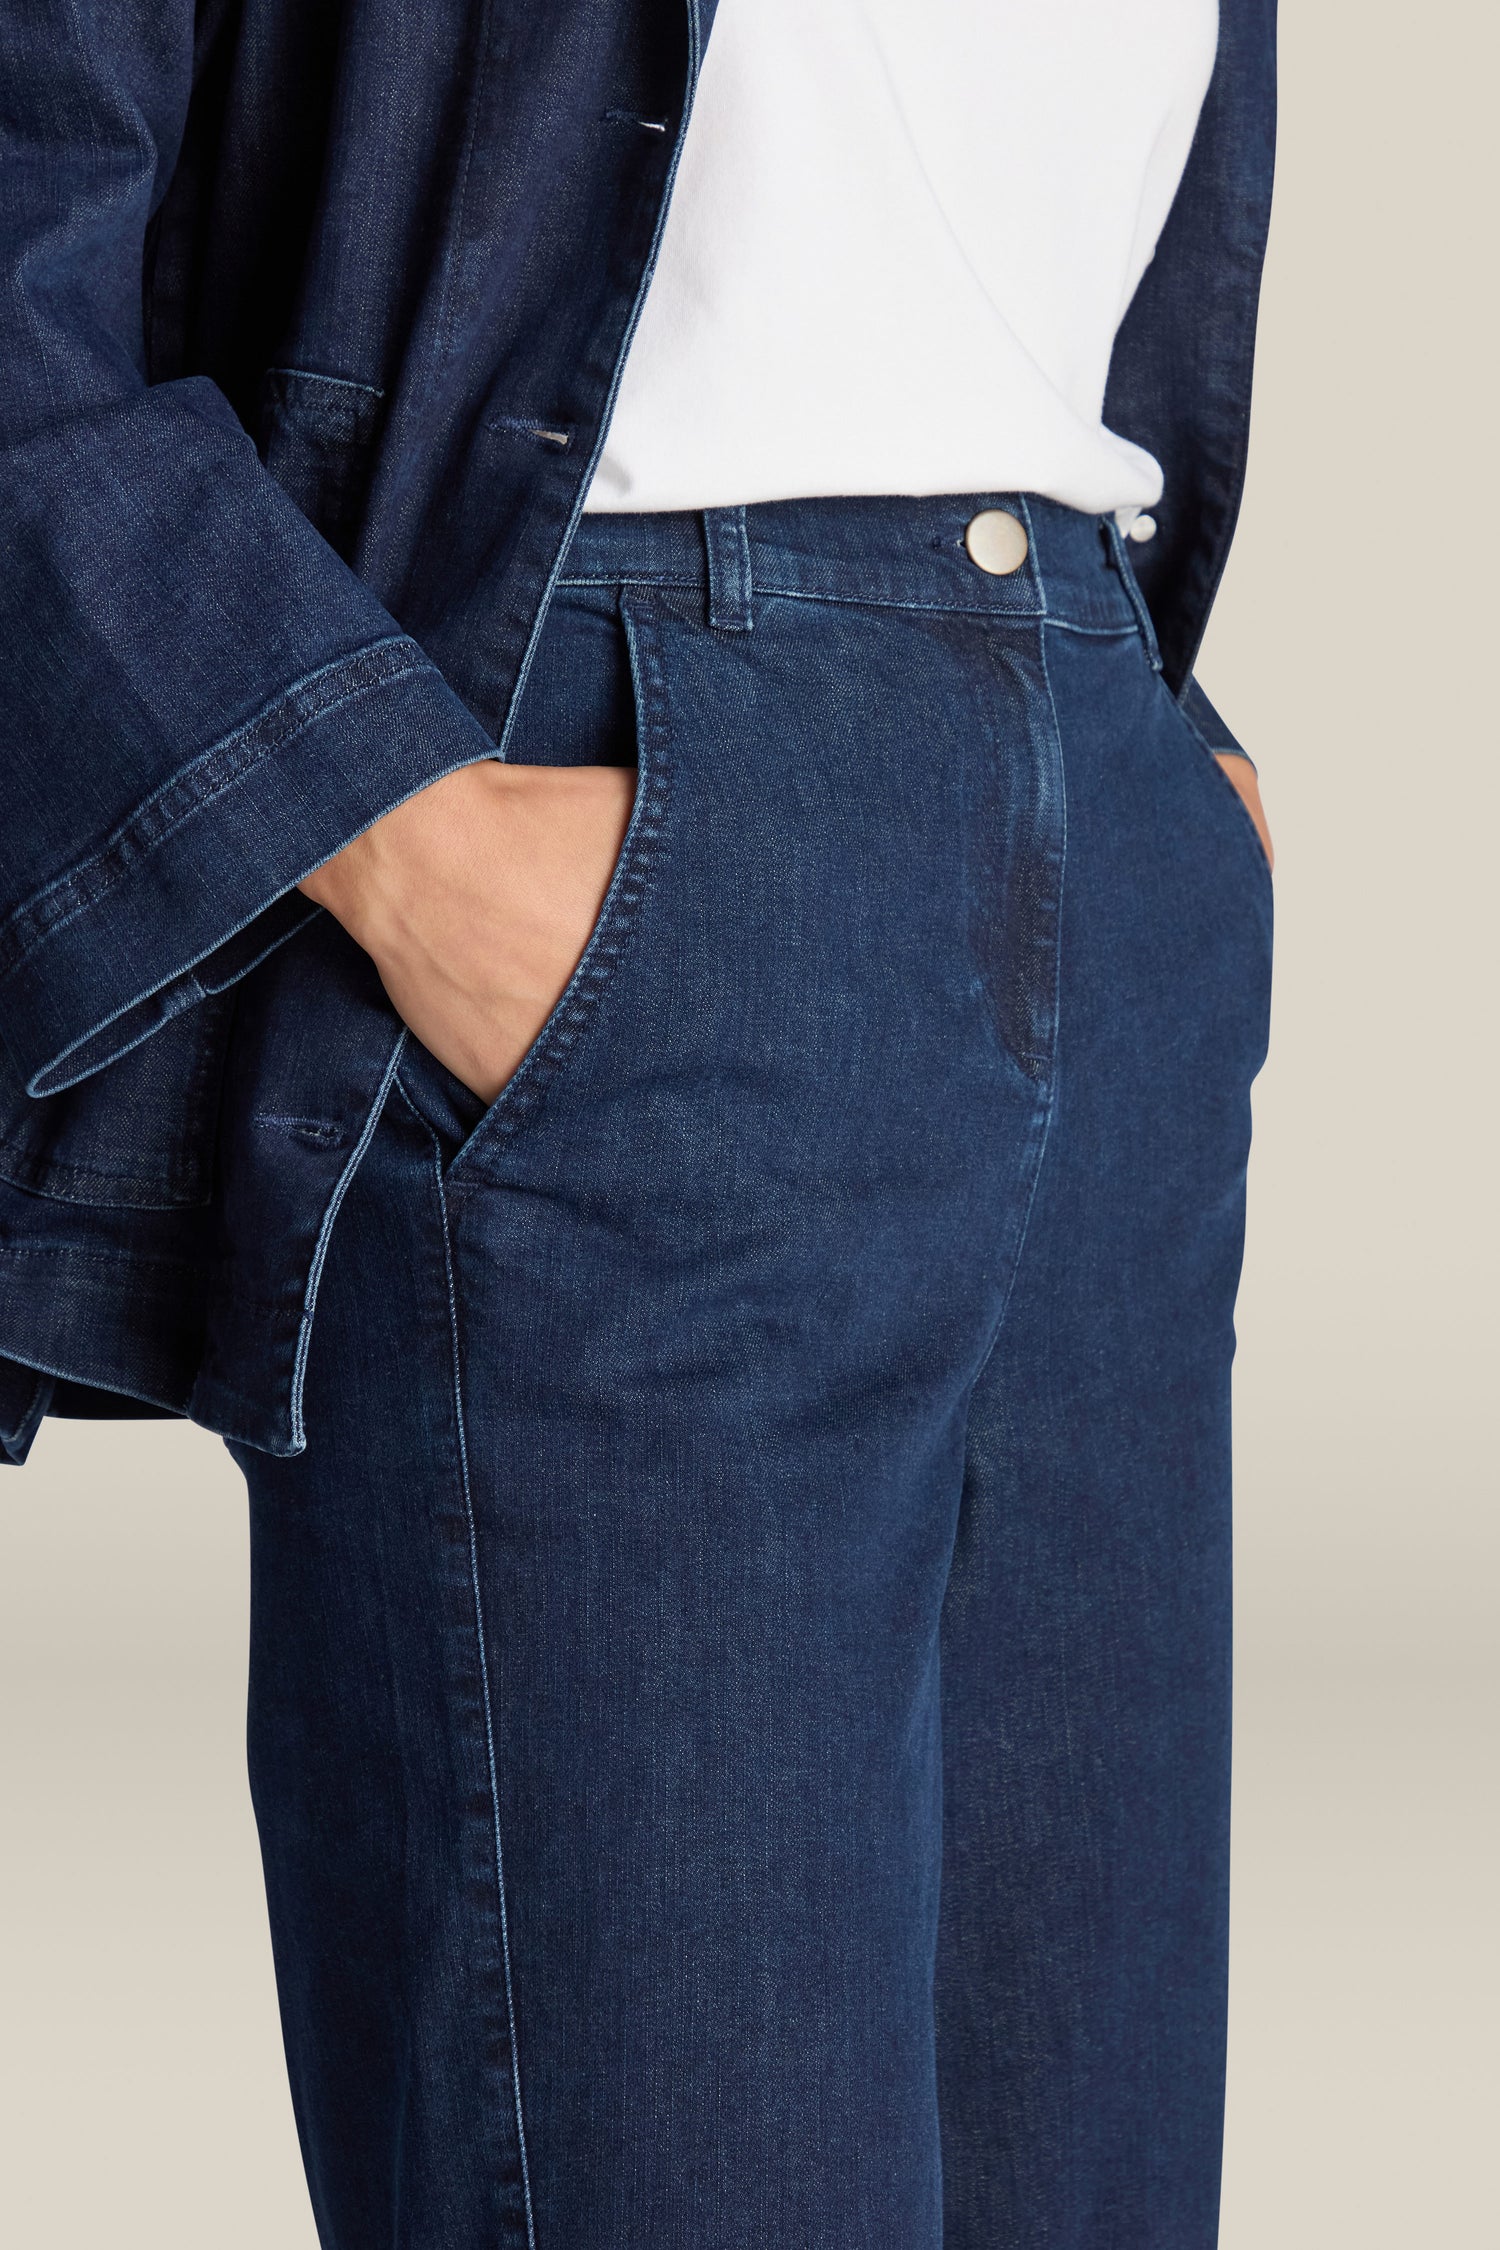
[(313, 1132), (543, 433)]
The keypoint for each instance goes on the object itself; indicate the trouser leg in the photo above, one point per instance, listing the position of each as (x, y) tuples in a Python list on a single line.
[(595, 1714), (598, 1707), (371, 1755), (1086, 1639)]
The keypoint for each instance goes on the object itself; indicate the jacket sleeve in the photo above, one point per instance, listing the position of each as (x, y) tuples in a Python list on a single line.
[(199, 701)]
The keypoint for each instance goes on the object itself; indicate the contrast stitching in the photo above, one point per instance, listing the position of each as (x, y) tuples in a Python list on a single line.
[(318, 695), (320, 1131), (1089, 632), (178, 990), (803, 594), (1125, 572), (633, 578), (95, 1257), (182, 1186), (339, 382), (1062, 861), (580, 492), (1035, 570), (64, 1375), (767, 590), (731, 584), (1206, 755), (1046, 1103), (325, 1233), (518, 1099), (484, 1672)]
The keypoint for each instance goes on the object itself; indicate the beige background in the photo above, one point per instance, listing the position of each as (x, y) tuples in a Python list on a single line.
[(142, 2100)]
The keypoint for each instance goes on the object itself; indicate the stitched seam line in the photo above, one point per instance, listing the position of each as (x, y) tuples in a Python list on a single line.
[(765, 590), (182, 1185), (601, 427), (484, 1673), (325, 1235), (65, 1375), (519, 1098), (336, 382), (75, 1256), (1125, 572), (315, 697), (1046, 1103), (1207, 755)]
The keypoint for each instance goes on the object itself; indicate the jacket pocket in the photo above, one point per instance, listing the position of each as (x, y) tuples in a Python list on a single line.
[(138, 1135), (317, 438)]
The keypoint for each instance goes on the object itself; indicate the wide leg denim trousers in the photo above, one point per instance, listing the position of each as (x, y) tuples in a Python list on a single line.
[(740, 1674)]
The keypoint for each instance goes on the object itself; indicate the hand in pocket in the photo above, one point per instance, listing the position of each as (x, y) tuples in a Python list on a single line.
[(476, 899), (1243, 775)]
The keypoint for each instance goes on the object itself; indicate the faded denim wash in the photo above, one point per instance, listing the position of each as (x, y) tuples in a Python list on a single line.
[(739, 1713), (311, 315)]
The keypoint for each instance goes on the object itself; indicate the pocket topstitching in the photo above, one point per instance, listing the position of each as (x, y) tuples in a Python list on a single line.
[(579, 1003)]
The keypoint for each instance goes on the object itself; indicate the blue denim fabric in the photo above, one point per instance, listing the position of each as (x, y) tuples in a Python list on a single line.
[(739, 1710), (311, 316)]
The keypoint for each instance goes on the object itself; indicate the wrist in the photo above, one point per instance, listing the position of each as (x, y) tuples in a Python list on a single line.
[(358, 884), (336, 883)]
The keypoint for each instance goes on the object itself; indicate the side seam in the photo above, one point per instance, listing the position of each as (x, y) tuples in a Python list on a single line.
[(486, 1697)]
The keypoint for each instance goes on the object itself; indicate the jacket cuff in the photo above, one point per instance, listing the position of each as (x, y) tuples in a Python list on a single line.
[(197, 884), (25, 1395)]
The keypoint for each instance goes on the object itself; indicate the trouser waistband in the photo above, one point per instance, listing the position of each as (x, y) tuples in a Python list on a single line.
[(932, 553)]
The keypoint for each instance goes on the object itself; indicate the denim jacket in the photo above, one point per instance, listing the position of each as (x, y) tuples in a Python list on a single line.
[(311, 317)]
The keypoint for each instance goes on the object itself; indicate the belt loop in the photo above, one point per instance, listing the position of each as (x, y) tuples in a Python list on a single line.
[(1126, 568), (729, 585)]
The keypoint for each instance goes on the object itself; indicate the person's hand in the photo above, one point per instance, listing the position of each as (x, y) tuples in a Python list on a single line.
[(1246, 781), (475, 900)]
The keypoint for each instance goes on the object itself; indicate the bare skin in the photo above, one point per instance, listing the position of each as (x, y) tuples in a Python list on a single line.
[(477, 896), (476, 899), (1242, 774)]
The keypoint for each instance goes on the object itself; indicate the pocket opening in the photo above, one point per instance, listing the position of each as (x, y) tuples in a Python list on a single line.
[(1203, 750), (444, 1102)]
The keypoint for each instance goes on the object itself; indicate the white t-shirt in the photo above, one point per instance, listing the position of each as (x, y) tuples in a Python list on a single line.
[(903, 235)]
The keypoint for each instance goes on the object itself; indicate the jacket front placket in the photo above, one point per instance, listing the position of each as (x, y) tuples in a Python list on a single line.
[(471, 506)]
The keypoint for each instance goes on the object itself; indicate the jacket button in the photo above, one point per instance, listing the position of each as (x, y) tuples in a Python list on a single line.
[(997, 541)]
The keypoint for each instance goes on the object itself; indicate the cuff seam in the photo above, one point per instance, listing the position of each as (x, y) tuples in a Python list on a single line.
[(317, 695)]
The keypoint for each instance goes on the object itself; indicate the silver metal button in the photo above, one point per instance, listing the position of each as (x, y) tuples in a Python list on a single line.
[(997, 541), (1142, 528)]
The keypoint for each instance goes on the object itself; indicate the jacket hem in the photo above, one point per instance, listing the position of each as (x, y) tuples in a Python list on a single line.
[(68, 1329)]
